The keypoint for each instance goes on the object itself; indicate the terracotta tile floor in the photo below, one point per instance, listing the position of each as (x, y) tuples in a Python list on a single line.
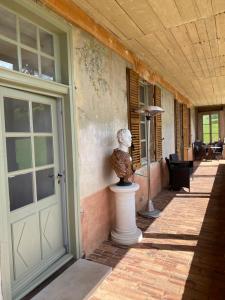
[(182, 254)]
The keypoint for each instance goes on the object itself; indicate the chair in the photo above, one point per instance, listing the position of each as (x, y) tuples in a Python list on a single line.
[(199, 150), (188, 163), (179, 172)]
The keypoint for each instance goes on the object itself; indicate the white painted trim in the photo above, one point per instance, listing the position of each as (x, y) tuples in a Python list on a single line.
[(77, 248), (25, 82)]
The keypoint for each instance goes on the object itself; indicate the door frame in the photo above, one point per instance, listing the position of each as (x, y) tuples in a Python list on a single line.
[(66, 94)]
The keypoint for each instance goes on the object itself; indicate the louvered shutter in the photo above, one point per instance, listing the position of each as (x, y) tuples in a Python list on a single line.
[(185, 131), (158, 125), (178, 132), (134, 117)]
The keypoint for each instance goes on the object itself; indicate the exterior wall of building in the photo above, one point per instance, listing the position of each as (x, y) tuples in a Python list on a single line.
[(101, 101), (193, 124), (168, 130)]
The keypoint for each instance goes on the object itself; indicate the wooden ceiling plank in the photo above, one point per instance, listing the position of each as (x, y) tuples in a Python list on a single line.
[(187, 10), (193, 33), (142, 13), (218, 6), (167, 11), (117, 16), (220, 25), (102, 19), (204, 8)]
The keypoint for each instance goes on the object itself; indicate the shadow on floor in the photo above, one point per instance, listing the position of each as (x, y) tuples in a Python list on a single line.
[(206, 278), (110, 254)]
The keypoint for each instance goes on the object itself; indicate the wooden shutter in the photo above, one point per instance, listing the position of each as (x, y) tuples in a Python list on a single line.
[(178, 131), (158, 125), (134, 118), (185, 131)]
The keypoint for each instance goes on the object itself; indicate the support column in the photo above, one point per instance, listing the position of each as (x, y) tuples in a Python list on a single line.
[(125, 230)]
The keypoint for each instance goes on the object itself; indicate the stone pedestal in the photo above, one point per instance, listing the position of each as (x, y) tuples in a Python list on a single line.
[(125, 230)]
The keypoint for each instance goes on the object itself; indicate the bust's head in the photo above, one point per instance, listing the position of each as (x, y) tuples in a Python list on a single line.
[(124, 137)]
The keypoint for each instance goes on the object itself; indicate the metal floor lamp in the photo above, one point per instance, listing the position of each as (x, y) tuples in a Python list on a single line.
[(149, 112)]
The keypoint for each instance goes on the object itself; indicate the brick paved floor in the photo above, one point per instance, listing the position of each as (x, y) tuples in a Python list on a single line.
[(182, 254)]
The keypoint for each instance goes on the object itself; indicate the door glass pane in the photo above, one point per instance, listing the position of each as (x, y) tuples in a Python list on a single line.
[(29, 62), (214, 118), (43, 151), (206, 138), (47, 68), (215, 137), (42, 120), (206, 128), (16, 115), (18, 153), (20, 190), (45, 181), (46, 42), (142, 94), (7, 24), (215, 127), (8, 55), (28, 34), (205, 119)]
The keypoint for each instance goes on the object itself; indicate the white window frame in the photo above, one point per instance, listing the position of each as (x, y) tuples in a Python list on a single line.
[(37, 51)]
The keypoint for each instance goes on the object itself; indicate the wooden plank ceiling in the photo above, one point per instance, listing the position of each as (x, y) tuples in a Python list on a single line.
[(182, 40)]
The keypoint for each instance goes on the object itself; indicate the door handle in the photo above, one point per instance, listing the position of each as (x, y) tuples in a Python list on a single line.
[(59, 176)]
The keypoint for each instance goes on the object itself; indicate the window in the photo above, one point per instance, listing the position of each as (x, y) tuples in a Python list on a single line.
[(26, 47), (146, 98), (210, 127)]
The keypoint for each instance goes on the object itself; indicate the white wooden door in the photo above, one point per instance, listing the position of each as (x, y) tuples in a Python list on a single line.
[(33, 183)]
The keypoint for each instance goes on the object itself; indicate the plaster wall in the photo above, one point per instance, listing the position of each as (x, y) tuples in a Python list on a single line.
[(193, 125), (168, 130), (101, 101)]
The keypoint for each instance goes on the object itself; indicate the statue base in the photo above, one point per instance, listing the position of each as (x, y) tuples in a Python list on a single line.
[(125, 231), (122, 182)]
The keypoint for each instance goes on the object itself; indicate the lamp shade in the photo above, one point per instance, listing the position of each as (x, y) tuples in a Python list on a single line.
[(150, 110)]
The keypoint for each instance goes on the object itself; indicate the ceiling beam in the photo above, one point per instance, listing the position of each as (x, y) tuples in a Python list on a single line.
[(75, 15)]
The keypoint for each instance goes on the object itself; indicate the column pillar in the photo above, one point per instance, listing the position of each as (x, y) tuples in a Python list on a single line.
[(125, 231)]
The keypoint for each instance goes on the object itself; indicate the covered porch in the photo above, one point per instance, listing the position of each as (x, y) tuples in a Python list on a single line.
[(182, 253)]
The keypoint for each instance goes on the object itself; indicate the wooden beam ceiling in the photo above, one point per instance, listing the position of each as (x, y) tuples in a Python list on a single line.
[(182, 40), (116, 41)]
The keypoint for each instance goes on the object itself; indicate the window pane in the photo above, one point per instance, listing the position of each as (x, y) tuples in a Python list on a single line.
[(20, 190), (215, 128), (47, 68), (142, 94), (215, 137), (214, 118), (205, 119), (46, 42), (29, 62), (7, 24), (206, 128), (18, 153), (45, 181), (143, 150), (43, 151), (143, 136), (42, 120), (28, 34), (16, 115), (206, 138), (8, 55)]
